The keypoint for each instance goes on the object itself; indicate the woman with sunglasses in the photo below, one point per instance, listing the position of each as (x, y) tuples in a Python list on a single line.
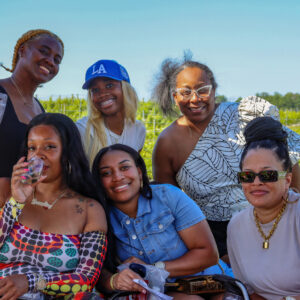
[(200, 151), (264, 239)]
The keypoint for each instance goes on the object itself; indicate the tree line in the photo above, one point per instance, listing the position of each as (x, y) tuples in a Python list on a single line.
[(289, 101)]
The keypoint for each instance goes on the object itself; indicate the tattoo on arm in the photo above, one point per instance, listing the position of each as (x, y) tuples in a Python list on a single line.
[(79, 209)]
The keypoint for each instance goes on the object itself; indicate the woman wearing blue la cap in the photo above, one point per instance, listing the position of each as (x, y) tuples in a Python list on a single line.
[(112, 106)]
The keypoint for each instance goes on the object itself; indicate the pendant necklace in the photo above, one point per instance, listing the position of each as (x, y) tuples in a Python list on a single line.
[(46, 204), (266, 238), (20, 93)]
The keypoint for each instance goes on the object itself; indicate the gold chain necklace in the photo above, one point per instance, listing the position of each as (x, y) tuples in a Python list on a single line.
[(20, 93), (271, 232), (46, 204)]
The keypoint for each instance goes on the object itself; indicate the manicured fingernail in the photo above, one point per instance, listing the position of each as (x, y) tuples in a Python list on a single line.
[(23, 177), (26, 170)]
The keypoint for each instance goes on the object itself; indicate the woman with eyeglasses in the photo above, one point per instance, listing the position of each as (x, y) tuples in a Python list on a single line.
[(112, 106), (200, 151), (264, 239)]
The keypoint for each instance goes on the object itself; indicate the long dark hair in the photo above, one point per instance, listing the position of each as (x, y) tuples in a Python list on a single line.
[(267, 133), (138, 160), (111, 260), (75, 166)]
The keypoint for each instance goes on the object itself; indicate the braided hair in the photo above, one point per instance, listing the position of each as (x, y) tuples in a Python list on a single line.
[(166, 80), (267, 133), (28, 36)]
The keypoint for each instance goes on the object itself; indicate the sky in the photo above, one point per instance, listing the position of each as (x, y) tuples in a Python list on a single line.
[(251, 46)]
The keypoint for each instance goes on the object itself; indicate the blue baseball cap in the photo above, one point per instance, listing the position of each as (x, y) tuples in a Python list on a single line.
[(105, 68)]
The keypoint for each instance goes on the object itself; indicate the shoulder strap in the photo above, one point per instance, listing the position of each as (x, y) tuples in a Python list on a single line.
[(39, 103)]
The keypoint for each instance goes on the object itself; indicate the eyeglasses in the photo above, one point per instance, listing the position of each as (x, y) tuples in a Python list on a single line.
[(202, 92), (264, 176)]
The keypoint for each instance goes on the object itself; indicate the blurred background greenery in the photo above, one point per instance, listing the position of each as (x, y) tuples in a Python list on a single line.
[(150, 114)]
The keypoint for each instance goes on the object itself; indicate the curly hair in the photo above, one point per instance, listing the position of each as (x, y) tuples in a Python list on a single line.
[(166, 80), (267, 133), (28, 36)]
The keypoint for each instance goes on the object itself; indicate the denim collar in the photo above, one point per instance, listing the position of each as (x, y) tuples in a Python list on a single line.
[(144, 207)]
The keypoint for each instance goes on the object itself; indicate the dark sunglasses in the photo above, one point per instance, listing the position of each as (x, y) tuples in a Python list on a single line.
[(264, 176)]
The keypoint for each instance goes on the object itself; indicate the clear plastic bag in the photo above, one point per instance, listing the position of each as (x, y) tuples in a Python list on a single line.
[(155, 278)]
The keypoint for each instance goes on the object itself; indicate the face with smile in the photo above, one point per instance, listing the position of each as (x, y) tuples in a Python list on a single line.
[(107, 96), (264, 195), (44, 142), (120, 177), (196, 109), (42, 57)]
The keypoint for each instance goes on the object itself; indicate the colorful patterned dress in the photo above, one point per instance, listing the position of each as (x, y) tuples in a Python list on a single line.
[(69, 263)]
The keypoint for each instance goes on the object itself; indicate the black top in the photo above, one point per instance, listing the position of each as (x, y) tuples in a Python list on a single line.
[(12, 134)]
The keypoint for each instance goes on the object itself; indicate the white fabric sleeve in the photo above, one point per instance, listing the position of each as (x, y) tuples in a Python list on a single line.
[(253, 107), (3, 101), (141, 134)]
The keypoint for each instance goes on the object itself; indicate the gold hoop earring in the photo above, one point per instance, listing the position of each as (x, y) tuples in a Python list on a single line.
[(142, 185), (287, 198)]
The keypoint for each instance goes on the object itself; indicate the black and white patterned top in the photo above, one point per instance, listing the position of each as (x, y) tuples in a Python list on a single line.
[(209, 175)]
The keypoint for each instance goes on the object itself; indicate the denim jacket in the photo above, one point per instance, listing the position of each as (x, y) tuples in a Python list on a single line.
[(153, 235)]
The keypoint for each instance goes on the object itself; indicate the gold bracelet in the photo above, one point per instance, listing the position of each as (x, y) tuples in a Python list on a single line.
[(111, 281)]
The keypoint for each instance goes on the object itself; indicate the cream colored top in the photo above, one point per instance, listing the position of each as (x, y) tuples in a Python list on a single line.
[(133, 134), (274, 272)]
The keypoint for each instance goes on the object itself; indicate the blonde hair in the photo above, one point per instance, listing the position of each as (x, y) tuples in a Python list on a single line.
[(27, 36), (96, 121)]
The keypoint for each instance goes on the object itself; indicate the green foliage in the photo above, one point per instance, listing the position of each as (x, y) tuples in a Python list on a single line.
[(288, 101), (295, 128), (73, 107), (221, 98), (288, 117), (150, 114)]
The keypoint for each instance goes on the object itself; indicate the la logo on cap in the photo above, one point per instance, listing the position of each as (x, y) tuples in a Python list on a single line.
[(100, 70)]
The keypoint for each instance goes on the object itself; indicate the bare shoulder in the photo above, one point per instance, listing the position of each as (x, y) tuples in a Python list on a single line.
[(167, 137), (96, 217)]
